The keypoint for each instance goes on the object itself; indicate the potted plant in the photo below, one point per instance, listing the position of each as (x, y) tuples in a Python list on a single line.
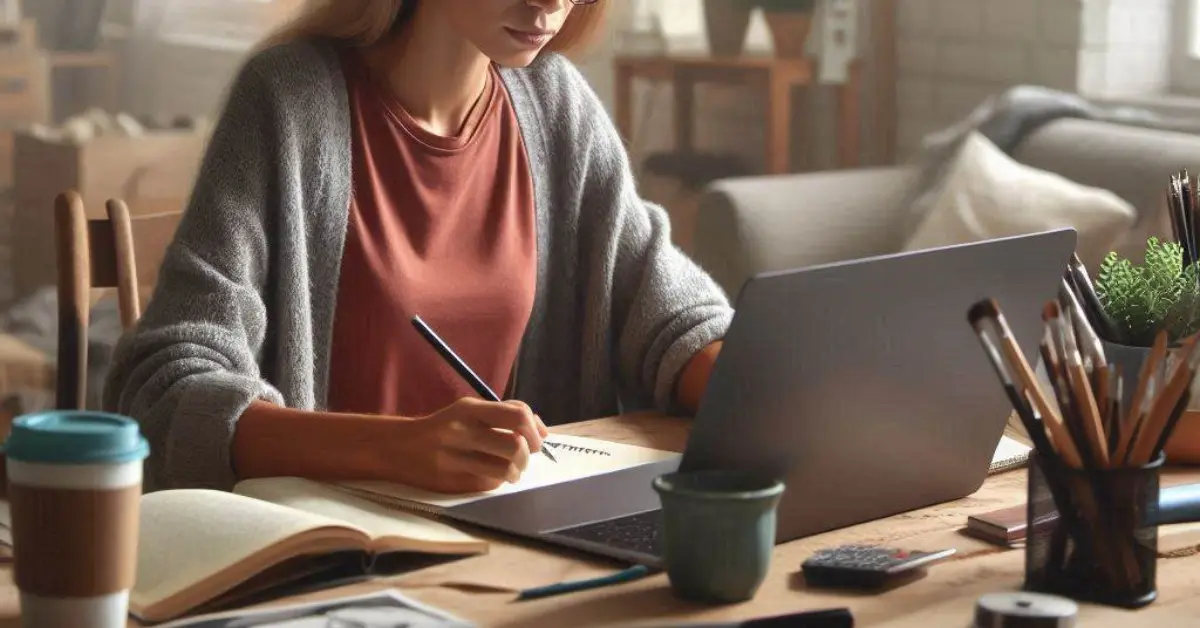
[(1142, 299), (727, 22), (1139, 301), (790, 22)]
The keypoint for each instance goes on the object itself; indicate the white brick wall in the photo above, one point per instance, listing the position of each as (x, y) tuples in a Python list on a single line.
[(953, 54)]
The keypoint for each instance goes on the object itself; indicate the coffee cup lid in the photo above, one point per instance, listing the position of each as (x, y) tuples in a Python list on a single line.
[(75, 437)]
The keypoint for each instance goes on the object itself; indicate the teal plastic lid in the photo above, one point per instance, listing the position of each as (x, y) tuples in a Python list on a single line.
[(75, 437)]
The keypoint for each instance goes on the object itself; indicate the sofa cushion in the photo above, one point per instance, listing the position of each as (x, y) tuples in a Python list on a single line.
[(987, 194)]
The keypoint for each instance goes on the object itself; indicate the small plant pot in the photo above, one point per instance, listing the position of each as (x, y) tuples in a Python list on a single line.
[(727, 23), (1184, 446), (1130, 359), (789, 32)]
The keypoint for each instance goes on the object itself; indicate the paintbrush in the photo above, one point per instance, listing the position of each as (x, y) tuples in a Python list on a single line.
[(1025, 376), (977, 316), (1082, 395), (1086, 290), (1156, 421), (1143, 391), (1189, 211), (1060, 428)]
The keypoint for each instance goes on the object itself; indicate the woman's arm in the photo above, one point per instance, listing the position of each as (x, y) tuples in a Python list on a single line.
[(693, 381), (190, 368), (666, 311)]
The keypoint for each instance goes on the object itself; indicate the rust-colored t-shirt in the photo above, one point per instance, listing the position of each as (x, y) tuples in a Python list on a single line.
[(440, 227)]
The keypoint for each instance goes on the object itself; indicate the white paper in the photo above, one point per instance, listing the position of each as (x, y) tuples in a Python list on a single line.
[(578, 457), (385, 609)]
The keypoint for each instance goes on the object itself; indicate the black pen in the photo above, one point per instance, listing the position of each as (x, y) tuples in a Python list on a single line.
[(462, 369)]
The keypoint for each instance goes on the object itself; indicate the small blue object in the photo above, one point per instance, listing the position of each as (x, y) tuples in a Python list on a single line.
[(636, 572), (75, 437)]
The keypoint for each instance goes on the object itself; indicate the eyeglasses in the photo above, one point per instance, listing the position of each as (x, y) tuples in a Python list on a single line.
[(578, 2)]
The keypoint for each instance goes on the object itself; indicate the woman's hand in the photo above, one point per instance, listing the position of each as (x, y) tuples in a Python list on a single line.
[(466, 447), (469, 446)]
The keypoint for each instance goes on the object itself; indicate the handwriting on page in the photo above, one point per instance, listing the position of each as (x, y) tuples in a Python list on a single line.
[(580, 457), (578, 449)]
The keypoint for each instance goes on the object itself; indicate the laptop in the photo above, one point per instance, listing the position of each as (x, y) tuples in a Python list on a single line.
[(860, 384)]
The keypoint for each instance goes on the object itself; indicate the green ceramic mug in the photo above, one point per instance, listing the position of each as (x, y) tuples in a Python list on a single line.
[(718, 532)]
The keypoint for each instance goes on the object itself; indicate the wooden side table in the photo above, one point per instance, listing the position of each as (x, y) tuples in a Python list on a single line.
[(774, 76)]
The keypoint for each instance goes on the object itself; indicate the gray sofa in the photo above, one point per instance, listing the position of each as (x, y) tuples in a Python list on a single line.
[(750, 225)]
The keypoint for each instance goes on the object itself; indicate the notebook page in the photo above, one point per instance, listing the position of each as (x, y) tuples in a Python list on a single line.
[(187, 536), (378, 521), (1010, 453), (578, 457)]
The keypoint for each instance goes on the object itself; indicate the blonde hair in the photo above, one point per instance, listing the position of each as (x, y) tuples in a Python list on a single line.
[(366, 22)]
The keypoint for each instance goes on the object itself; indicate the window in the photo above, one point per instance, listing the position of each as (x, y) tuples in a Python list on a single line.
[(1193, 25), (235, 24)]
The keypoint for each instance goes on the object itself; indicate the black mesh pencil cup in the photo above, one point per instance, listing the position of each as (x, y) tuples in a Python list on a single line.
[(1091, 532)]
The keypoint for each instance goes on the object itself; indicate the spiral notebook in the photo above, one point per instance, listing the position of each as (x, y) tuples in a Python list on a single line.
[(1010, 454), (578, 457)]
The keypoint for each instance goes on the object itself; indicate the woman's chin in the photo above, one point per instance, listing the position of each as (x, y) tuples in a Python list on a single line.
[(515, 59)]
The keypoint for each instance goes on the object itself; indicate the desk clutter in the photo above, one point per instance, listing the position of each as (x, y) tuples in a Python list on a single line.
[(1101, 427)]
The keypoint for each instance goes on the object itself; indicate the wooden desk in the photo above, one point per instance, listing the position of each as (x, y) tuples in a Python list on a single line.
[(945, 598), (775, 77)]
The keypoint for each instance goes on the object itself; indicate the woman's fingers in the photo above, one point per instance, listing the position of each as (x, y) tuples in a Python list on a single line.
[(513, 416), (507, 446), (487, 466), (542, 430)]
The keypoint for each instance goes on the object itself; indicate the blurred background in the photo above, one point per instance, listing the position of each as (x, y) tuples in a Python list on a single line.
[(775, 133)]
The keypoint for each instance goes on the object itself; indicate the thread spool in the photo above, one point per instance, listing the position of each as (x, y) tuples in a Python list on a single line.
[(1025, 610)]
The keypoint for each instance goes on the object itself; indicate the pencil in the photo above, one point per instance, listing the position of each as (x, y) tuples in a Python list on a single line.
[(1156, 421), (1087, 293), (1176, 414), (1142, 393), (631, 574), (1085, 423), (460, 367)]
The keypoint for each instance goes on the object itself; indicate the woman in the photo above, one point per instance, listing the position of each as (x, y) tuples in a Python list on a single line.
[(389, 158)]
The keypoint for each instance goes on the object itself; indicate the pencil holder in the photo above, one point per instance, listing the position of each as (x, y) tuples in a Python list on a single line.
[(1095, 540)]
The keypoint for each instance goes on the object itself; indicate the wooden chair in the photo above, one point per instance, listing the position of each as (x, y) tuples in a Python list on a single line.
[(122, 252)]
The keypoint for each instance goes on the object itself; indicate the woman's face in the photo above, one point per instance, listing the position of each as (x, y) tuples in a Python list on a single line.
[(509, 32)]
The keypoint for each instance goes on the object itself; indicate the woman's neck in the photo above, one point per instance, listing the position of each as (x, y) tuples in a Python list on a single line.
[(435, 74)]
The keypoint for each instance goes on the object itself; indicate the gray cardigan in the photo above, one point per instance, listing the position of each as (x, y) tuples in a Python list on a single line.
[(245, 301)]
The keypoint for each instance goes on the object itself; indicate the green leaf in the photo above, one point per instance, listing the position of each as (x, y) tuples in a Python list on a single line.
[(1156, 295)]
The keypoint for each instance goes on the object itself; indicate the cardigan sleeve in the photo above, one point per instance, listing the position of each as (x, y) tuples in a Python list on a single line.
[(665, 308), (190, 367)]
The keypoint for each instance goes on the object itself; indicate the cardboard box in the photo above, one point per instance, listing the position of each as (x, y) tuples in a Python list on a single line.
[(152, 173)]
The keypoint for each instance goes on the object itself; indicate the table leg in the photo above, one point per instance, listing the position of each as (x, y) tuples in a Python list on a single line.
[(849, 118), (685, 99), (113, 86), (623, 93), (779, 125)]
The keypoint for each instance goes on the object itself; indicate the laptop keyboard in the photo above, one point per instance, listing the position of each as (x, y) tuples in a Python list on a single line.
[(637, 533)]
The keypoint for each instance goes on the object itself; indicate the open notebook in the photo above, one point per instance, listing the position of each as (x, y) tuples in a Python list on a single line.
[(202, 550), (207, 549)]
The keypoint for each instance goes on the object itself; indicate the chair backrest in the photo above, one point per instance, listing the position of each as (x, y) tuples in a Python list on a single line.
[(121, 252)]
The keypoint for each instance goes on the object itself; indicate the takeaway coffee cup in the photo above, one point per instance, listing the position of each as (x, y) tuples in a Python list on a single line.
[(74, 484)]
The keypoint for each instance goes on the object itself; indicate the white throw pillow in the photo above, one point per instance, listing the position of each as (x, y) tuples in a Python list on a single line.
[(986, 194)]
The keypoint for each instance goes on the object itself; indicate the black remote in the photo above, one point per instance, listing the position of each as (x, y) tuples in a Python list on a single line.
[(865, 566)]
